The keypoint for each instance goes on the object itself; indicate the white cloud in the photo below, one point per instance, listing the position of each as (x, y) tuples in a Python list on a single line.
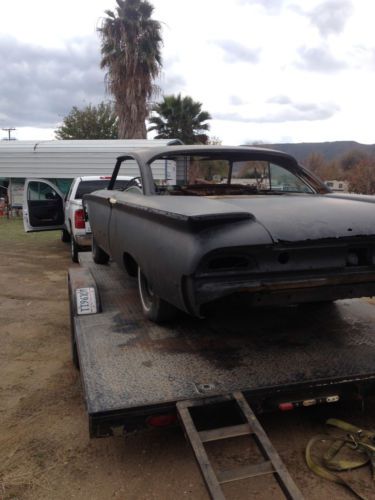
[(280, 99), (303, 74), (235, 100), (271, 6), (331, 16), (237, 52), (284, 111), (319, 59), (48, 81)]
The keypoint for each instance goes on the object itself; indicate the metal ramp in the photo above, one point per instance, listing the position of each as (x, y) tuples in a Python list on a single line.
[(272, 463)]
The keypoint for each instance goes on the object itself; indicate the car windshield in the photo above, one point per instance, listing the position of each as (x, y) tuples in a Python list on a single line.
[(205, 176), (87, 187)]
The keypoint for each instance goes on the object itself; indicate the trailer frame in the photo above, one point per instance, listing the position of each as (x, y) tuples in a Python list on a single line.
[(283, 358)]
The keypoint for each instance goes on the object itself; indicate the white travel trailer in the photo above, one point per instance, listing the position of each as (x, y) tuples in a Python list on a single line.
[(60, 161)]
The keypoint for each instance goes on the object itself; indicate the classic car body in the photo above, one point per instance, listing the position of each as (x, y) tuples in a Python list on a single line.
[(232, 220)]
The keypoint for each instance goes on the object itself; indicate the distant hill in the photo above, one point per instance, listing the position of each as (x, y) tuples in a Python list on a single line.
[(328, 150)]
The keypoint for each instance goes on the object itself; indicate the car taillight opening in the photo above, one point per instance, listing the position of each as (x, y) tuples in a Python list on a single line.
[(228, 262), (79, 219)]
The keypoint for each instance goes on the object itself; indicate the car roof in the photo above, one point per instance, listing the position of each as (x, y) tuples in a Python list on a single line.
[(149, 154)]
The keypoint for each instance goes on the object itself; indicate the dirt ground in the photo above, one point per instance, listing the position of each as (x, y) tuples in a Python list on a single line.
[(45, 450)]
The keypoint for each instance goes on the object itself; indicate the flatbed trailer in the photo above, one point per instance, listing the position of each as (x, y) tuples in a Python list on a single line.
[(133, 370)]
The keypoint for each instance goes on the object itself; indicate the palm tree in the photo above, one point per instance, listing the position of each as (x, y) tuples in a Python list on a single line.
[(180, 118), (130, 47)]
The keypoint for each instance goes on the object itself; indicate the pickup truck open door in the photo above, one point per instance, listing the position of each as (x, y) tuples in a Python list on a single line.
[(43, 206)]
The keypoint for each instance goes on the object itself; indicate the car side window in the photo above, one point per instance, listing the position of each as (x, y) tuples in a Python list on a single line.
[(39, 191), (251, 173), (284, 180), (131, 170), (133, 188)]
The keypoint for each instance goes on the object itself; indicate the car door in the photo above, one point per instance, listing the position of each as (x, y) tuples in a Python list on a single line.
[(43, 206)]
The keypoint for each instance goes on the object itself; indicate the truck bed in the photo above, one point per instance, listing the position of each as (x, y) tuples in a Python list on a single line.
[(131, 367)]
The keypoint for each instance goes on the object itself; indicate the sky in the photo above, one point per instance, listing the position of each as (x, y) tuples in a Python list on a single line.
[(271, 71)]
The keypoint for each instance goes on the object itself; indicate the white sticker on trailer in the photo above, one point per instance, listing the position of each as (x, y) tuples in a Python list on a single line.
[(86, 301)]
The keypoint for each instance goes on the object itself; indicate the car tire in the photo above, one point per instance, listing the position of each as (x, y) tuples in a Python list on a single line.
[(153, 307), (65, 236), (74, 249), (99, 256)]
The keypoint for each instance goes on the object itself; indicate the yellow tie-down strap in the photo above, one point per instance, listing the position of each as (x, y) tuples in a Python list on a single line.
[(360, 441)]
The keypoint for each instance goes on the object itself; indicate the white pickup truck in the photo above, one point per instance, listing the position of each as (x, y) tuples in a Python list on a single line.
[(46, 208)]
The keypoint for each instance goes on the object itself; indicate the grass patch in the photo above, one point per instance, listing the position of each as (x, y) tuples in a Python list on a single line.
[(12, 231)]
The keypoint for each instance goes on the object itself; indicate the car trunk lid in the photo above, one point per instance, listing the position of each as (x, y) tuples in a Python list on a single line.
[(295, 217)]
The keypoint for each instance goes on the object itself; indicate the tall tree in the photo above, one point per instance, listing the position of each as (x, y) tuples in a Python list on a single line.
[(325, 170), (352, 159), (361, 177), (130, 49), (180, 118), (91, 122), (316, 163)]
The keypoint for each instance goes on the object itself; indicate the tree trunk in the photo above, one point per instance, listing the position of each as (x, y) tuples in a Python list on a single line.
[(129, 130), (131, 125)]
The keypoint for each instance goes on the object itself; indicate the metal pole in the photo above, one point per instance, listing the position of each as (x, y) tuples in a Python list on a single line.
[(9, 131)]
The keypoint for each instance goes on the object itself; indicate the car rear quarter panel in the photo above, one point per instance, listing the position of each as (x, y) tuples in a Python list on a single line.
[(168, 247), (99, 210)]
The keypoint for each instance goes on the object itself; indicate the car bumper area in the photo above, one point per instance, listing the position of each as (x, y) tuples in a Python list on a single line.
[(83, 240), (280, 290)]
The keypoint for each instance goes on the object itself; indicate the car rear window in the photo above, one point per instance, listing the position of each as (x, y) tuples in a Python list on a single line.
[(228, 175), (86, 187)]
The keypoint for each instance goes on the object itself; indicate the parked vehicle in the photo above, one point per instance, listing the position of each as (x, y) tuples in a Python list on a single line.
[(46, 207), (235, 220)]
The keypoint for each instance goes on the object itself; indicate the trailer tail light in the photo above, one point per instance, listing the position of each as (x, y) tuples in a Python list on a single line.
[(290, 405), (332, 399), (162, 420), (309, 402), (79, 219), (286, 406)]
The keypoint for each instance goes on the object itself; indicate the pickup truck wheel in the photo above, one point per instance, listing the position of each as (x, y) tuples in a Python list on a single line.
[(99, 256), (65, 236), (74, 249), (154, 308)]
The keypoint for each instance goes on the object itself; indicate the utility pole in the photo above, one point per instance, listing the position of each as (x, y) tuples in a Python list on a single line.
[(9, 131)]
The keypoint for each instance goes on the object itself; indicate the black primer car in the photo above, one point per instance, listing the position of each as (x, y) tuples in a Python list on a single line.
[(201, 223)]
